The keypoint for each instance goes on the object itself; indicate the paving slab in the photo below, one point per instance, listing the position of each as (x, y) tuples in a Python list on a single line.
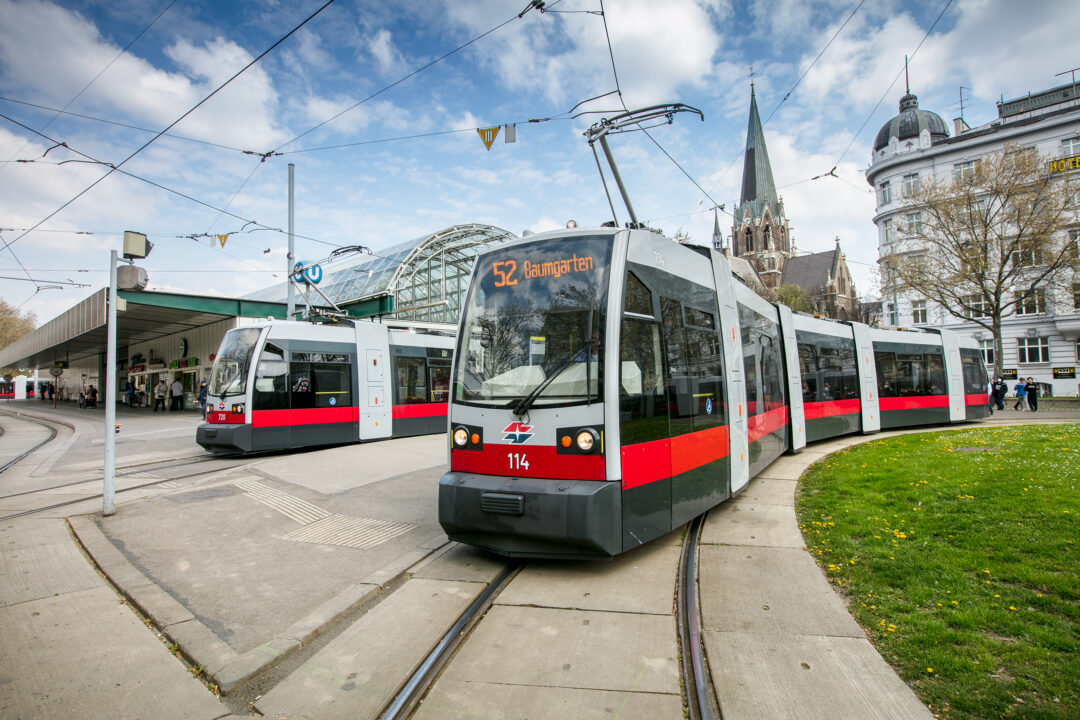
[(54, 663), (552, 648), (794, 677), (640, 581), (38, 559), (764, 490), (743, 523), (351, 466), (359, 671), (492, 701), (461, 562), (770, 590)]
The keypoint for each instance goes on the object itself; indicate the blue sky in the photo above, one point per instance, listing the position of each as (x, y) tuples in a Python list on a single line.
[(404, 160)]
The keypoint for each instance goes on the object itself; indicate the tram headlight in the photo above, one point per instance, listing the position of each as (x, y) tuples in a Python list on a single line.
[(587, 440), (238, 409), (461, 437)]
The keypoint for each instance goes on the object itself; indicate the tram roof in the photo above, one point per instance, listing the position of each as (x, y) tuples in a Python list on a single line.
[(81, 331)]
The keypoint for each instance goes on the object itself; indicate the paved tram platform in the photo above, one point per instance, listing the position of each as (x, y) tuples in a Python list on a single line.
[(248, 566)]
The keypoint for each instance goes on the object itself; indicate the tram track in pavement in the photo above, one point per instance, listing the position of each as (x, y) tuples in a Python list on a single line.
[(701, 698), (31, 451)]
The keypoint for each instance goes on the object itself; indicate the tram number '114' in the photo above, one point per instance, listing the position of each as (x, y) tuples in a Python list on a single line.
[(518, 461)]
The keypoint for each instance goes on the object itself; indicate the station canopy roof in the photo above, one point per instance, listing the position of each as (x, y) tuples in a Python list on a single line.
[(81, 331), (421, 280)]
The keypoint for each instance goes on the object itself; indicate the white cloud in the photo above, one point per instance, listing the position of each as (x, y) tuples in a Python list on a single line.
[(388, 57)]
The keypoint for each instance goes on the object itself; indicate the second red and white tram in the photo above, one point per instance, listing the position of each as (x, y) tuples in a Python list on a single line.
[(610, 385), (280, 385)]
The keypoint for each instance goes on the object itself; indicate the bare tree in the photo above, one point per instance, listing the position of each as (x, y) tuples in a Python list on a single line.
[(988, 242), (13, 325)]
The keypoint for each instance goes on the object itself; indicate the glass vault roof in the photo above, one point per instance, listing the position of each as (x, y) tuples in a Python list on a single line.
[(427, 277)]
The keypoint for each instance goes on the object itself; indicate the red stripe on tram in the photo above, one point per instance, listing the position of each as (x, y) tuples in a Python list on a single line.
[(758, 426), (649, 462), (829, 408), (977, 399), (420, 410), (913, 402), (306, 416)]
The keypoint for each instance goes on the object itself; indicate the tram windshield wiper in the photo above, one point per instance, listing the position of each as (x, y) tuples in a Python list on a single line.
[(526, 402)]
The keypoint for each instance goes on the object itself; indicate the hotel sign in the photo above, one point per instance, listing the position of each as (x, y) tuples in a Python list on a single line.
[(1065, 164), (1064, 373)]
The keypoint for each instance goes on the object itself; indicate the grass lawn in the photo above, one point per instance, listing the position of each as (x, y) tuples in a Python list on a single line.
[(957, 553)]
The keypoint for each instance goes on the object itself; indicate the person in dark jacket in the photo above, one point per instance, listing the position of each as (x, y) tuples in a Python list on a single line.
[(202, 397), (1032, 389), (1000, 391)]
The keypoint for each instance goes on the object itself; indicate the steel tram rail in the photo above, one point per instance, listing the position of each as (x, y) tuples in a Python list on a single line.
[(412, 692), (29, 452), (699, 695)]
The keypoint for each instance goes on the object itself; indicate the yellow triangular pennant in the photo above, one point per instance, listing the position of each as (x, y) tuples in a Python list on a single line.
[(488, 135), (223, 238)]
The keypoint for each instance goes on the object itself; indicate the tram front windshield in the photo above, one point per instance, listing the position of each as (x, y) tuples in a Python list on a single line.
[(230, 371), (534, 324)]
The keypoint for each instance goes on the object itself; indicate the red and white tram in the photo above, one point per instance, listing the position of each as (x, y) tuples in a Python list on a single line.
[(610, 385), (281, 385)]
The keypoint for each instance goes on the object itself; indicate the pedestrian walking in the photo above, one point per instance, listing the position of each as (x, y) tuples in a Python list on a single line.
[(1000, 391), (160, 391), (990, 395), (203, 389), (177, 395), (1021, 396), (1032, 389)]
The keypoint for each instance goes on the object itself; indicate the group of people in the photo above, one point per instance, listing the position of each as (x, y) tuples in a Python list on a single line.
[(1026, 393), (176, 393)]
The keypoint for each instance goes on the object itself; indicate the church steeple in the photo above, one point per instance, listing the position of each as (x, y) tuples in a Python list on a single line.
[(758, 188), (760, 232)]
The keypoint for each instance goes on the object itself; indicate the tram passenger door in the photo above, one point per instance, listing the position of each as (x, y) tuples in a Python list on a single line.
[(270, 401), (374, 395)]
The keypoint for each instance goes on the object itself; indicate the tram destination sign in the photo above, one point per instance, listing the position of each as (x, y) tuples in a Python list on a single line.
[(507, 272), (1064, 373)]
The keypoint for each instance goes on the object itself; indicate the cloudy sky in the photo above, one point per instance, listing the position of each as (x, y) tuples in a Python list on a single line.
[(377, 105)]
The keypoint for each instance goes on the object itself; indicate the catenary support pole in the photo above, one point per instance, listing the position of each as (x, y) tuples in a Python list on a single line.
[(108, 394), (290, 260)]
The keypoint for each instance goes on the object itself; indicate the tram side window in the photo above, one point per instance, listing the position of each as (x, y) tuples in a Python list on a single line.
[(302, 395), (411, 386), (440, 381), (333, 387), (705, 368), (975, 379), (271, 380), (903, 374), (642, 386), (809, 369)]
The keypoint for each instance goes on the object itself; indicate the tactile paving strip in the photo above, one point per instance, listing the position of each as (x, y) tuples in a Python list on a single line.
[(346, 531), (293, 508)]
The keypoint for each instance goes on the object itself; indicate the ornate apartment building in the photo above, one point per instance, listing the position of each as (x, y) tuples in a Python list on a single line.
[(1041, 339)]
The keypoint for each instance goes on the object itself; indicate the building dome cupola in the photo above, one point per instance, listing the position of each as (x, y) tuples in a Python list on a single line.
[(911, 122)]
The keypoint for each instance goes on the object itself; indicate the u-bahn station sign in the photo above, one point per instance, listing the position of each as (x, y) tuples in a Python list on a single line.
[(1065, 164)]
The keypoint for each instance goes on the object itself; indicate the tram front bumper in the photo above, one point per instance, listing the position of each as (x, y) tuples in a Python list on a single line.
[(224, 438), (530, 517)]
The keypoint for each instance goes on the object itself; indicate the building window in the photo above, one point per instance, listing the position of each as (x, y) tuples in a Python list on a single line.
[(979, 304), (1070, 146), (1033, 350), (987, 349), (889, 234), (1078, 351), (886, 192), (1076, 295), (910, 185), (918, 312), (894, 315), (914, 223), (963, 171), (1031, 305), (1074, 241), (1028, 256)]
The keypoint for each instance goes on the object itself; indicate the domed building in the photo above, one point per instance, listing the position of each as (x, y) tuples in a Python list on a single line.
[(912, 129), (1041, 339)]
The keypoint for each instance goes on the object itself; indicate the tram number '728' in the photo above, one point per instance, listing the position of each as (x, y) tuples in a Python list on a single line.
[(503, 271), (518, 461)]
